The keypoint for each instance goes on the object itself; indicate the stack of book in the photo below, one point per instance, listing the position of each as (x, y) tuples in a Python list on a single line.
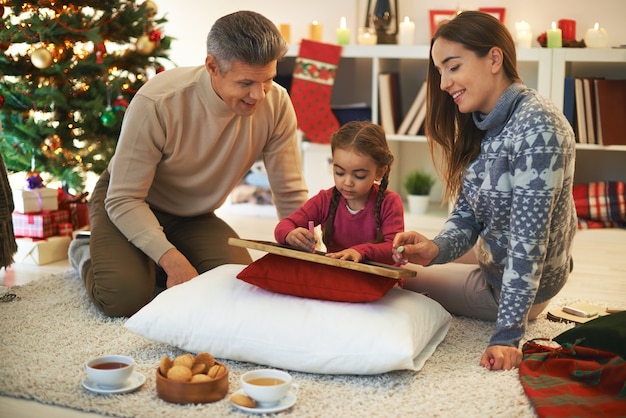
[(596, 109)]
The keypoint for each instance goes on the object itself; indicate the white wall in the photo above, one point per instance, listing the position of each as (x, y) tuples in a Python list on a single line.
[(189, 21)]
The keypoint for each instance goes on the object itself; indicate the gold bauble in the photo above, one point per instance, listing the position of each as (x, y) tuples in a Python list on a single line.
[(53, 142), (41, 58), (151, 8), (144, 45)]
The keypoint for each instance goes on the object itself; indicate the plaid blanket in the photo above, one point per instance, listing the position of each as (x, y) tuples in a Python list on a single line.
[(601, 204), (573, 381)]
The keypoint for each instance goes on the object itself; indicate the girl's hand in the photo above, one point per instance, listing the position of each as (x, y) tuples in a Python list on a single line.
[(301, 238), (416, 249), (347, 254), (501, 357)]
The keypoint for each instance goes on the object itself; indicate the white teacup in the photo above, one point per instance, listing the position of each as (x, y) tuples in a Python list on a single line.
[(110, 371), (267, 386)]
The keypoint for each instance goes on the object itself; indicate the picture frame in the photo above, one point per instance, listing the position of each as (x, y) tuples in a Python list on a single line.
[(497, 12), (437, 17)]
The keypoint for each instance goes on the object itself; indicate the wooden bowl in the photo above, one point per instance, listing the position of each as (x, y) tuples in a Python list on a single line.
[(188, 392)]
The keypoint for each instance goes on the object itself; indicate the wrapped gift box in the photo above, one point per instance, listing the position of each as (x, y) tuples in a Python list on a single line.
[(41, 251), (39, 225), (35, 200)]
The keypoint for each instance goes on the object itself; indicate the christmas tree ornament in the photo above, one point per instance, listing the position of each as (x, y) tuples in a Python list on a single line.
[(151, 8), (41, 58), (100, 50), (155, 36), (108, 117), (144, 45), (120, 104), (53, 142), (312, 87), (1, 100)]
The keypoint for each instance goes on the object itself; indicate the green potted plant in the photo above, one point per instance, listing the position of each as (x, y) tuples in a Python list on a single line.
[(418, 184)]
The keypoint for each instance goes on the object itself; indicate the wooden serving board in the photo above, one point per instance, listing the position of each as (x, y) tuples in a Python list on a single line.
[(371, 267)]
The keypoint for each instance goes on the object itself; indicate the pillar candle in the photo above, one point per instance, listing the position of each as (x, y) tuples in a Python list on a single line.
[(285, 30), (367, 36), (315, 31), (407, 32), (568, 27), (524, 35), (343, 33), (555, 37), (596, 37)]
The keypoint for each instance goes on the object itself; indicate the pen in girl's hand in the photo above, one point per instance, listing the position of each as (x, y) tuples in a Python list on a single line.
[(312, 231)]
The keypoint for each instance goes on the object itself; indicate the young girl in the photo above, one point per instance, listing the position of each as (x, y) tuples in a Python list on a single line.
[(508, 164), (359, 216)]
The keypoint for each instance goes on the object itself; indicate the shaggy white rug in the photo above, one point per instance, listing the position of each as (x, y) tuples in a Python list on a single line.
[(52, 329)]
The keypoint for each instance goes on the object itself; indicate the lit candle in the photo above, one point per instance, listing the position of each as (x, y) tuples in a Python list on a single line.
[(315, 31), (555, 37), (343, 33), (367, 36), (524, 34), (285, 30), (407, 32), (596, 37), (568, 27)]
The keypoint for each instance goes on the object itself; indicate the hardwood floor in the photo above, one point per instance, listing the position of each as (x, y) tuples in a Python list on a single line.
[(599, 276)]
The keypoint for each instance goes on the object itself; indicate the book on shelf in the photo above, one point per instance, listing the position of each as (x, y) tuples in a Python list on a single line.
[(569, 101), (590, 109), (389, 100), (611, 103), (418, 102), (581, 127), (419, 119)]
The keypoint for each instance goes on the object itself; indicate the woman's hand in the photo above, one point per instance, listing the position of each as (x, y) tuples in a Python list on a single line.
[(416, 249), (301, 238), (501, 357), (347, 254), (177, 267)]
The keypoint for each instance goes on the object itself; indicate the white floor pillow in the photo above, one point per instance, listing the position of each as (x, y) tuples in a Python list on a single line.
[(232, 319)]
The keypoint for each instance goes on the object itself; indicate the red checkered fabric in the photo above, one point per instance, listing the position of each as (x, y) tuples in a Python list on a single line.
[(573, 381), (601, 204)]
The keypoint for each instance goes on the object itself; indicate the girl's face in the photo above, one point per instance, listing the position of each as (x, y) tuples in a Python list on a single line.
[(354, 175), (470, 80)]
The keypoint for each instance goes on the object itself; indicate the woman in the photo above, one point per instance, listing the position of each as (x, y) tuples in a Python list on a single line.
[(507, 158)]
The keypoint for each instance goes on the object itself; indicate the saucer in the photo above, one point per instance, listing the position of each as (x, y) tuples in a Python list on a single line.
[(285, 403), (134, 382)]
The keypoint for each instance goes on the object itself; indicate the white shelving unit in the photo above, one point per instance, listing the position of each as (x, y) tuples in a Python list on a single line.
[(541, 68)]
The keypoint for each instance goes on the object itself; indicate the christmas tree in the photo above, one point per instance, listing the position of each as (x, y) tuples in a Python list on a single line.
[(67, 72)]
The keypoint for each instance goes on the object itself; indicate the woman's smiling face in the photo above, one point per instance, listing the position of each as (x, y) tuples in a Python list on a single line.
[(466, 77)]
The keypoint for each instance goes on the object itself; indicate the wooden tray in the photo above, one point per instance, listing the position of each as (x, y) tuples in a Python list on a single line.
[(371, 267)]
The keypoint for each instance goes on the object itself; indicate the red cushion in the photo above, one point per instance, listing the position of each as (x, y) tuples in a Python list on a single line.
[(307, 279)]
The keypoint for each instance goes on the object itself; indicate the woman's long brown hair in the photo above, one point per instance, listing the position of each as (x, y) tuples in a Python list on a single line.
[(453, 138)]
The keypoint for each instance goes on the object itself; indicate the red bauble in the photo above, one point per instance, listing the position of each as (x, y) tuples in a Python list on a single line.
[(120, 104), (1, 100), (155, 35)]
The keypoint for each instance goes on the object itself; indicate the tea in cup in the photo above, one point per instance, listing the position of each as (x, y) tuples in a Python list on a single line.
[(267, 386), (110, 371)]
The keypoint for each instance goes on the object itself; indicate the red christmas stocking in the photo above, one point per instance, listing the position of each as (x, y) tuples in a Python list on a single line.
[(311, 89)]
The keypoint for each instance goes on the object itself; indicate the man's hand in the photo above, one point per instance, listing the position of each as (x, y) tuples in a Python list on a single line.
[(177, 267)]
